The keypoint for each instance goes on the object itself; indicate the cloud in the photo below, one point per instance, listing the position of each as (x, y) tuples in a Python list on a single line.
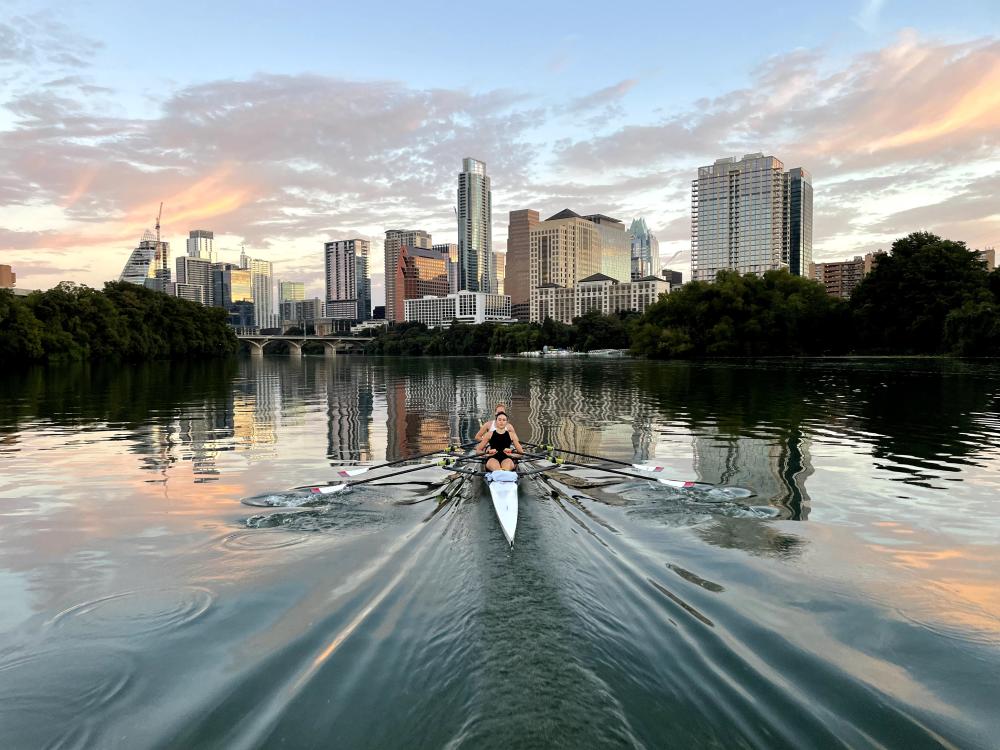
[(601, 97), (868, 17)]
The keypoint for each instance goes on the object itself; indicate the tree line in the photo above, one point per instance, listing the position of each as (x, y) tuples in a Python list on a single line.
[(928, 296), (121, 322)]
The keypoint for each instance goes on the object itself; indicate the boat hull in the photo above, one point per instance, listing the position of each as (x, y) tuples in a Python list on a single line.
[(503, 491)]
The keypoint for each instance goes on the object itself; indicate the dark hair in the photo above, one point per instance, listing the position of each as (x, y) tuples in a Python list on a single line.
[(500, 414)]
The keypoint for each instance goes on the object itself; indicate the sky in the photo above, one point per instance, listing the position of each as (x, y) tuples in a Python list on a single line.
[(281, 125)]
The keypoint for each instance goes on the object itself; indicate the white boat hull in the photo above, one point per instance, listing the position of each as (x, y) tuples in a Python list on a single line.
[(503, 490)]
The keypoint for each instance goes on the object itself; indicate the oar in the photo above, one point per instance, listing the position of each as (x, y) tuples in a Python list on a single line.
[(355, 471), (678, 483)]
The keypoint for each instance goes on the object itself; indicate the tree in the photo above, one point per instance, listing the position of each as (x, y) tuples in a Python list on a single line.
[(902, 305)]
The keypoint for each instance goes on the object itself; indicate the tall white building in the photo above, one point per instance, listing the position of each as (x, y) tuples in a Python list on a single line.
[(193, 272), (750, 216), (262, 286), (347, 279), (149, 263), (201, 244), (475, 233), (395, 239)]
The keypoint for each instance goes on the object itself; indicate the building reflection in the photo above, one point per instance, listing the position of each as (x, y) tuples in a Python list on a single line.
[(350, 405)]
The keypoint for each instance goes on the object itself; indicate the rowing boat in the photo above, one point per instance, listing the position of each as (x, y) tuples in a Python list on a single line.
[(503, 490)]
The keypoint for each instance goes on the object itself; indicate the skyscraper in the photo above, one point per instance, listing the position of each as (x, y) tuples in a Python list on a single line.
[(564, 249), (291, 291), (744, 215), (201, 244), (149, 263), (799, 196), (8, 279), (394, 240), (475, 234), (516, 283), (261, 280), (194, 273), (645, 250), (616, 248), (451, 250), (500, 269), (347, 276), (420, 272)]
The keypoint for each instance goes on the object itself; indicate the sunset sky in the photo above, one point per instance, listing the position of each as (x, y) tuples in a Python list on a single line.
[(282, 128)]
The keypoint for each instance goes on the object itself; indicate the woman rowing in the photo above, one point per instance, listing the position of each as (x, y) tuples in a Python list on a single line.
[(491, 424), (498, 445)]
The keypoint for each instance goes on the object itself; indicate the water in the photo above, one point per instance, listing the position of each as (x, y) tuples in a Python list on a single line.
[(853, 601)]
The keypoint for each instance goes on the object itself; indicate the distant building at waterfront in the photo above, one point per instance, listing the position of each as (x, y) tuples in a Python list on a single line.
[(194, 279), (262, 285), (232, 290), (8, 279), (676, 278), (450, 249), (987, 255), (149, 263), (347, 281), (597, 292), (517, 282), (644, 250), (291, 291), (420, 272), (394, 240), (464, 306), (841, 277), (750, 216), (301, 311), (475, 233), (201, 244), (616, 247), (500, 269), (563, 249)]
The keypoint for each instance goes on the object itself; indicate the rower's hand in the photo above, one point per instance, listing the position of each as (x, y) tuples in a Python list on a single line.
[(491, 452), (508, 451)]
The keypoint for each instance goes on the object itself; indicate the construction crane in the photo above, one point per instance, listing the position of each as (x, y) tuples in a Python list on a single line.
[(158, 215)]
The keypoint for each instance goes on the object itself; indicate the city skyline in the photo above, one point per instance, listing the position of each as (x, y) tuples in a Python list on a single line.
[(895, 111)]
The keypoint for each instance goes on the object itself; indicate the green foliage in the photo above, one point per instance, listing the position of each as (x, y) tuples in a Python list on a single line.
[(902, 305), (773, 314), (124, 321), (593, 331)]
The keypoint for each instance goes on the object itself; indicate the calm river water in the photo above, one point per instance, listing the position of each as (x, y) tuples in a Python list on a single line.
[(855, 601)]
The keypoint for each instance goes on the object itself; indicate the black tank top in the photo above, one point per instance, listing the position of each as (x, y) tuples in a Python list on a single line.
[(500, 441)]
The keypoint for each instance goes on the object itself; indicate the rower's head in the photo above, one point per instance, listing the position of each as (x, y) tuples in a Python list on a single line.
[(499, 408), (501, 419)]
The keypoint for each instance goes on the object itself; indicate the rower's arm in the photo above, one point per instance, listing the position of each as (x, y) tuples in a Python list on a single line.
[(482, 431), (483, 443), (517, 443)]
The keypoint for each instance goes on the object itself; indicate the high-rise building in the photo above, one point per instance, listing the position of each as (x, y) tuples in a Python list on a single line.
[(301, 310), (500, 269), (563, 249), (262, 281), (420, 272), (347, 277), (988, 255), (8, 279), (475, 233), (291, 291), (616, 248), (231, 284), (744, 215), (799, 220), (201, 244), (645, 249), (149, 263), (516, 275), (394, 240), (451, 250), (194, 271)]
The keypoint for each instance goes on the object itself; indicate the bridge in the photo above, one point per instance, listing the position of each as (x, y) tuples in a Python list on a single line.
[(331, 344)]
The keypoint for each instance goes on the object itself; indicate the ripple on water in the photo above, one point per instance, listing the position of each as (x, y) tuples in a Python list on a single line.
[(256, 539), (132, 613), (45, 697), (325, 519)]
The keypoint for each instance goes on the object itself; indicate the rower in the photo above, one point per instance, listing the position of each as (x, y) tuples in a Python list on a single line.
[(498, 445), (491, 424)]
